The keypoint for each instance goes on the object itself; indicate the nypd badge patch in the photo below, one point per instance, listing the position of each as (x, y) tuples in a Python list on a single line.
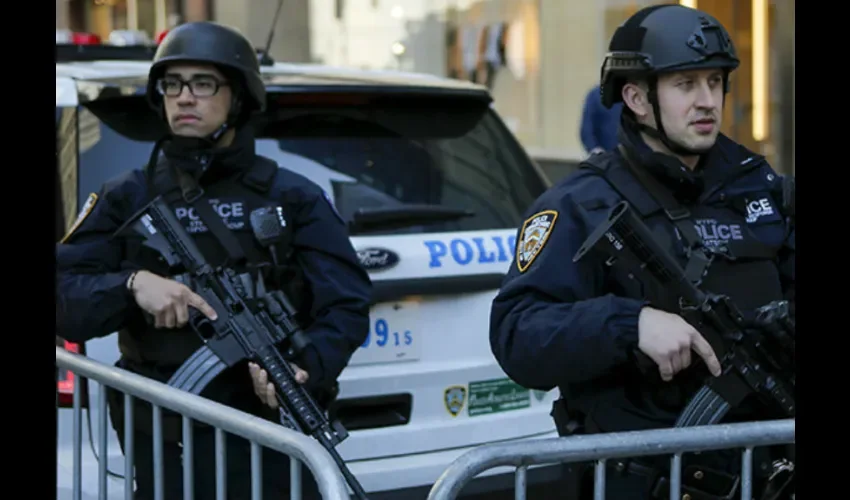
[(454, 397), (533, 235), (88, 206)]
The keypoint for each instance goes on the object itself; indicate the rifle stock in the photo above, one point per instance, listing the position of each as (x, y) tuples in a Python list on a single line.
[(625, 242), (248, 327)]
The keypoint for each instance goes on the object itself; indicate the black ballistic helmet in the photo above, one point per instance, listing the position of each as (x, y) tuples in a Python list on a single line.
[(664, 38), (212, 43)]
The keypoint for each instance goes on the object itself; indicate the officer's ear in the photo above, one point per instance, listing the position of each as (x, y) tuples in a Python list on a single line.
[(636, 98), (236, 104)]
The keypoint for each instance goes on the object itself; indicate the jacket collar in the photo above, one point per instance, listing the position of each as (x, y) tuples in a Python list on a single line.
[(725, 160)]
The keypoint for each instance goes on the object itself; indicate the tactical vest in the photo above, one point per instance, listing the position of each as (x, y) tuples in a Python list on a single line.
[(726, 247), (230, 201)]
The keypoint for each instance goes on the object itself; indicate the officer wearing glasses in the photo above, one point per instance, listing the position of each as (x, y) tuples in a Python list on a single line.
[(205, 84)]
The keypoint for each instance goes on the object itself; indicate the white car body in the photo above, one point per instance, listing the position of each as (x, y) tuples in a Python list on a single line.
[(422, 350)]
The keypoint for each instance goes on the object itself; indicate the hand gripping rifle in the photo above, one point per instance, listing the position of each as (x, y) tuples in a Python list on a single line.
[(249, 326), (756, 356)]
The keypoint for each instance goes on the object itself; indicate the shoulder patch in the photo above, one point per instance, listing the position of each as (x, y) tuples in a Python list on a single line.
[(88, 206), (533, 235)]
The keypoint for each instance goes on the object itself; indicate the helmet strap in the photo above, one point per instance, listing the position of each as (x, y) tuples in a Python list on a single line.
[(232, 121), (218, 133)]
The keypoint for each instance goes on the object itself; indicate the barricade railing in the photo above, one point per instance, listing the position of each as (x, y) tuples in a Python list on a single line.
[(599, 448), (259, 432)]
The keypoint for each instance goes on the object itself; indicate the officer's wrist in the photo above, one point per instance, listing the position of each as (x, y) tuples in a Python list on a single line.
[(130, 283), (629, 333)]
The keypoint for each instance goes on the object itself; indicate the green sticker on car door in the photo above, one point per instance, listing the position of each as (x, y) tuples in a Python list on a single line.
[(496, 396)]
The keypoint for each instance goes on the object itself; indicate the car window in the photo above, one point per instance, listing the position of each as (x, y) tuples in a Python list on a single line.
[(106, 147), (383, 154)]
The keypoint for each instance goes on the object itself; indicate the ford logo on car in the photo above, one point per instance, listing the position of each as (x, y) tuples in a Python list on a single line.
[(377, 259)]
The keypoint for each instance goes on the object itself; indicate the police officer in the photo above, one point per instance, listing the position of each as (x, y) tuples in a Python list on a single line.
[(578, 326), (205, 83)]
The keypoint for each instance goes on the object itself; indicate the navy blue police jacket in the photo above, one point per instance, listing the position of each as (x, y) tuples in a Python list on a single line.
[(571, 325), (93, 268)]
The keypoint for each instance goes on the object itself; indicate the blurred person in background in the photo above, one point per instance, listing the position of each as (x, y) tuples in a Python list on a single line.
[(599, 124)]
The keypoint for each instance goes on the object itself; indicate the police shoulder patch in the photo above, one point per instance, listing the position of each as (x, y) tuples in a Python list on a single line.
[(88, 206), (533, 235)]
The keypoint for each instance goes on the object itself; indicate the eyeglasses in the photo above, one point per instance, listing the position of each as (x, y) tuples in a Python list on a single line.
[(199, 86)]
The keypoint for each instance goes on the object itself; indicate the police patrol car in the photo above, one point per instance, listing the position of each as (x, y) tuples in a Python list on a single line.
[(450, 183)]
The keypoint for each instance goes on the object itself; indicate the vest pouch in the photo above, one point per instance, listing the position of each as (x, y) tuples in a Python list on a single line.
[(736, 280), (747, 245)]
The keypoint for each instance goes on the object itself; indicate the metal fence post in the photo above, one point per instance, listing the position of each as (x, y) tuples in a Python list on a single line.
[(260, 432), (603, 447)]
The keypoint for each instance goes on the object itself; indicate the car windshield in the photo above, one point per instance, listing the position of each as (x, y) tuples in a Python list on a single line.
[(450, 158)]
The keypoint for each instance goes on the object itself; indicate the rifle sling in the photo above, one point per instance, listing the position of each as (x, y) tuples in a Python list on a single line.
[(698, 259), (194, 195)]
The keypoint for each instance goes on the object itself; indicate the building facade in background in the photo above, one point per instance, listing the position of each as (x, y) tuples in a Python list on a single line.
[(538, 57), (251, 17)]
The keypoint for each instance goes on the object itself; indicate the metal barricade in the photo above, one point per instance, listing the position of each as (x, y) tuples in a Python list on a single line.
[(259, 432), (602, 447)]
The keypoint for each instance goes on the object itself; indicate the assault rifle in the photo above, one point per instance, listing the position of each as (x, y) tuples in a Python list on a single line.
[(251, 325), (756, 355)]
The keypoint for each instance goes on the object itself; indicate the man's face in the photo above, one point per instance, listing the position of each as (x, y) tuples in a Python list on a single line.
[(199, 114), (691, 106)]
